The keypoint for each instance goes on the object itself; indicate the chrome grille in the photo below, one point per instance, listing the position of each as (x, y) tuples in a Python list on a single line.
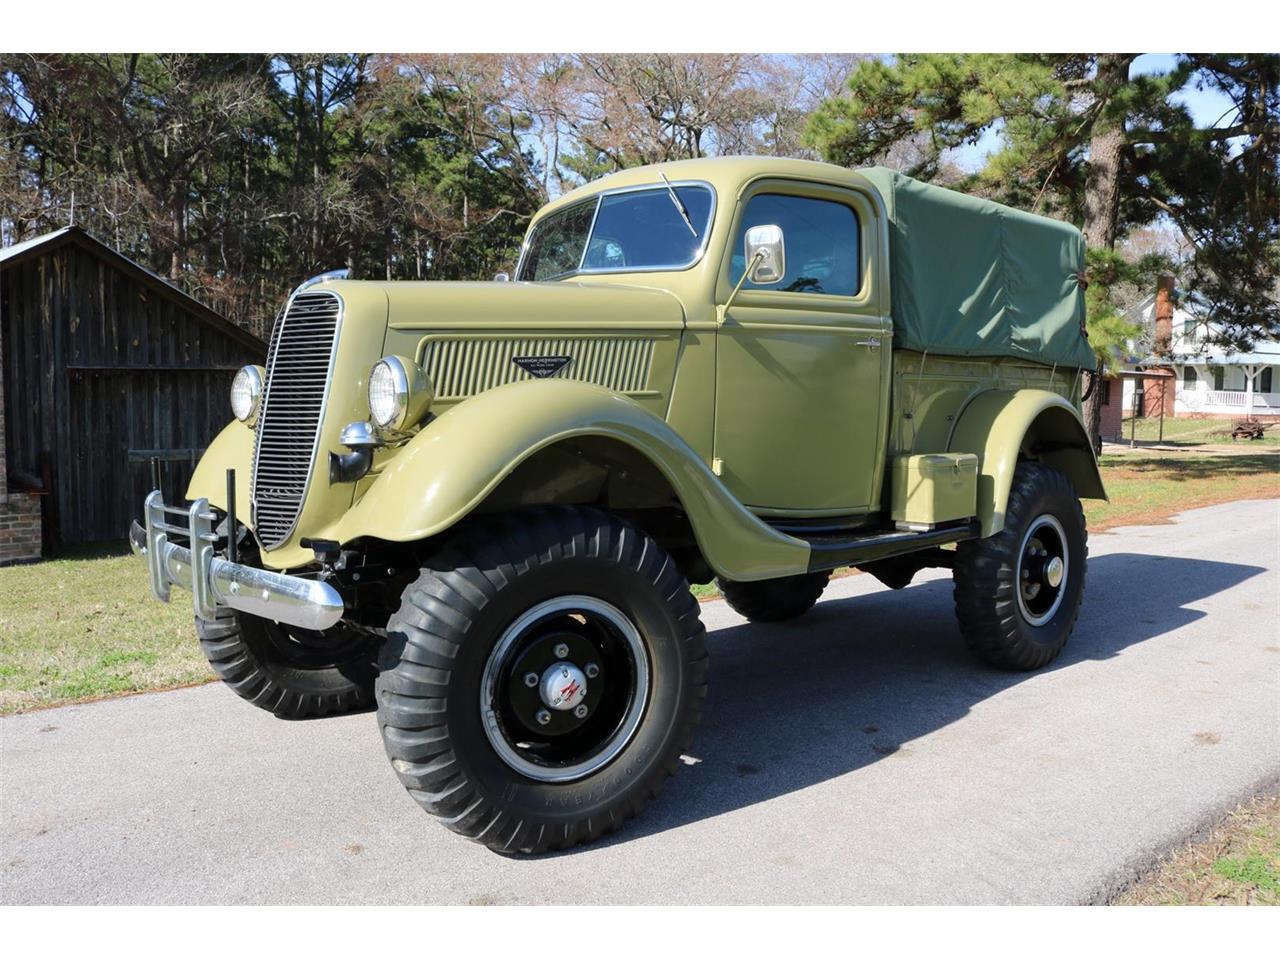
[(299, 364), (467, 366)]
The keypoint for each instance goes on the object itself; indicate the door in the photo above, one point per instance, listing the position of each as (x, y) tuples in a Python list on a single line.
[(802, 364)]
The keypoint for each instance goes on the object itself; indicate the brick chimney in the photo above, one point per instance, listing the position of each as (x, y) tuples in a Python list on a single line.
[(1161, 392), (1164, 316)]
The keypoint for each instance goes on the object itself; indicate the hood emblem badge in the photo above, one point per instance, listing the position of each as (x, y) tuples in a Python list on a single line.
[(541, 367)]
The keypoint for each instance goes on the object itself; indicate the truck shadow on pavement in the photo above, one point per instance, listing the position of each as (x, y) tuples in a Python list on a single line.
[(795, 704)]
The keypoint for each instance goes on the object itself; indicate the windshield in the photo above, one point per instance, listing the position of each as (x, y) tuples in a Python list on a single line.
[(629, 230)]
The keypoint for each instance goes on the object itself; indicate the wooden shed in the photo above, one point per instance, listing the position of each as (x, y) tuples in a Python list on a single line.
[(103, 366)]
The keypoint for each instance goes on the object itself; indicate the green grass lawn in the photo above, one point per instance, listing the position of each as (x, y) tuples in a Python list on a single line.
[(89, 627), (1181, 431), (85, 627), (1150, 489)]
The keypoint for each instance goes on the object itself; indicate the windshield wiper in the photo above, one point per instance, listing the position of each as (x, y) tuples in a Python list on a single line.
[(675, 198)]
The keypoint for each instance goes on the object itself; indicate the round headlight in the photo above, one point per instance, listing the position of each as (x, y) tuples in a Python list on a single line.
[(246, 393), (399, 393)]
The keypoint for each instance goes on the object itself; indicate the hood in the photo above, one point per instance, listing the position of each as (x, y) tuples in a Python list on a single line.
[(594, 304), (469, 338)]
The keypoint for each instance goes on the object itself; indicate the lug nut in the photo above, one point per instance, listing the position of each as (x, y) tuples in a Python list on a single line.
[(592, 671), (562, 650), (580, 711), (530, 679), (543, 717)]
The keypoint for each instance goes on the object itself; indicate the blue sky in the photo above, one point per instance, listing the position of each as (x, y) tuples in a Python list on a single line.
[(1207, 108)]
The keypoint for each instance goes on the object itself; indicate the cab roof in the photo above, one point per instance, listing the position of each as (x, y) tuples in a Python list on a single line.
[(727, 174)]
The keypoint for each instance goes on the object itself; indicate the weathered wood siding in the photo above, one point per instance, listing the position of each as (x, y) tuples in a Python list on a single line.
[(101, 372)]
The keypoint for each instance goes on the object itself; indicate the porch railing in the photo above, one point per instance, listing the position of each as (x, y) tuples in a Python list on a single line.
[(1231, 398)]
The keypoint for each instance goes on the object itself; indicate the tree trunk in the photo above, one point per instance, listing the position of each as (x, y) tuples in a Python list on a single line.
[(1102, 194), (179, 254), (317, 169), (1106, 147), (1093, 410)]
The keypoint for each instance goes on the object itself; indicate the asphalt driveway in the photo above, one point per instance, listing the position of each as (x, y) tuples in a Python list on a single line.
[(857, 755)]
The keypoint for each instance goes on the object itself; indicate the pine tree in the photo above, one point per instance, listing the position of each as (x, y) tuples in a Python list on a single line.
[(1084, 140)]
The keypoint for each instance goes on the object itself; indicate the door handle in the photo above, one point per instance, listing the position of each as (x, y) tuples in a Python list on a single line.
[(872, 342)]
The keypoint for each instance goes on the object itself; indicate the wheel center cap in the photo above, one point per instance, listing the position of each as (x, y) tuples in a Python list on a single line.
[(1053, 572), (563, 686)]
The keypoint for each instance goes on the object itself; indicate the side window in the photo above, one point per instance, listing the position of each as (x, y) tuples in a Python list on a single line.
[(821, 241), (556, 248)]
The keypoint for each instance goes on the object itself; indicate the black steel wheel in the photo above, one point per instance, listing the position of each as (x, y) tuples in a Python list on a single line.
[(293, 673), (565, 688), (1018, 593), (542, 678)]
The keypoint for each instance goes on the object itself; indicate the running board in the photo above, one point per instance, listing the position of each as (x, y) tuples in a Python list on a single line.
[(827, 553)]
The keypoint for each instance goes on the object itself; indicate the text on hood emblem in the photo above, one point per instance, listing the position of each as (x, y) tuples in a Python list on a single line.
[(541, 366)]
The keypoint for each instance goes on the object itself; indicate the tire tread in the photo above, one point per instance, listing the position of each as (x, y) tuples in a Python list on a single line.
[(432, 621)]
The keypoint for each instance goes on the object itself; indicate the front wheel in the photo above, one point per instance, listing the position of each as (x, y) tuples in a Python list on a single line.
[(1018, 592), (294, 673), (542, 678)]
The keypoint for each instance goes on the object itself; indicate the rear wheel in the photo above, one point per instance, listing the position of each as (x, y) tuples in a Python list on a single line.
[(1018, 593), (292, 672), (768, 601), (542, 678)]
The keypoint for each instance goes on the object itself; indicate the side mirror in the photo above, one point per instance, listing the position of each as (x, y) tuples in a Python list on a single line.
[(501, 278), (766, 253)]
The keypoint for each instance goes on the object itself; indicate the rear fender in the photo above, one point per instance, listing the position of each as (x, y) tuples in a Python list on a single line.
[(1003, 426)]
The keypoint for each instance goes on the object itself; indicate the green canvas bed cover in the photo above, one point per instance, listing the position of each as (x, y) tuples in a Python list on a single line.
[(976, 278)]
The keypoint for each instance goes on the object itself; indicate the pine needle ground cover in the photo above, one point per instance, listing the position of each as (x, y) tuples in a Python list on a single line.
[(1237, 864)]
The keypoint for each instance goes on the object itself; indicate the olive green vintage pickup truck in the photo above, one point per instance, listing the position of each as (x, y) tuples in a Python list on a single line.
[(481, 504)]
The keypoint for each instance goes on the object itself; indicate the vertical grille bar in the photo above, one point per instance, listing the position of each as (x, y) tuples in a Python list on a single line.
[(299, 367)]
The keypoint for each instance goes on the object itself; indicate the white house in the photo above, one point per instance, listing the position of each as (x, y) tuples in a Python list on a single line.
[(1210, 380)]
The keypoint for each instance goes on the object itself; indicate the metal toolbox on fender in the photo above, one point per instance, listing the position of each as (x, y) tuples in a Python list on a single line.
[(933, 488)]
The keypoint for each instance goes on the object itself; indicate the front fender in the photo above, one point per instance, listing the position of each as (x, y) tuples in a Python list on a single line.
[(449, 468), (231, 449), (1001, 425)]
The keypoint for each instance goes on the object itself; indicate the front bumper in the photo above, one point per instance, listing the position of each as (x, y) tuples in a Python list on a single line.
[(215, 582)]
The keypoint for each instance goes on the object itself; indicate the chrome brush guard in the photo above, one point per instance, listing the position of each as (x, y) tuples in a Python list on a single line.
[(213, 581)]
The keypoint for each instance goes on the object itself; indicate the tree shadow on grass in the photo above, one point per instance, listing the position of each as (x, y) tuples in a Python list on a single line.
[(1199, 468), (793, 705)]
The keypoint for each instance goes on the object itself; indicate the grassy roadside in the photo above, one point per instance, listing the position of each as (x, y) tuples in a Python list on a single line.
[(79, 628), (85, 627), (1150, 489), (1237, 864)]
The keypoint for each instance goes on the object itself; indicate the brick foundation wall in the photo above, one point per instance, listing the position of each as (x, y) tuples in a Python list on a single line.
[(20, 537), (1111, 423), (19, 528)]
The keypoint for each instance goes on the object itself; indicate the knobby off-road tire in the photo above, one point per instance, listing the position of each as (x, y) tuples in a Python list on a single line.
[(293, 673), (1011, 613), (490, 609), (768, 601)]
